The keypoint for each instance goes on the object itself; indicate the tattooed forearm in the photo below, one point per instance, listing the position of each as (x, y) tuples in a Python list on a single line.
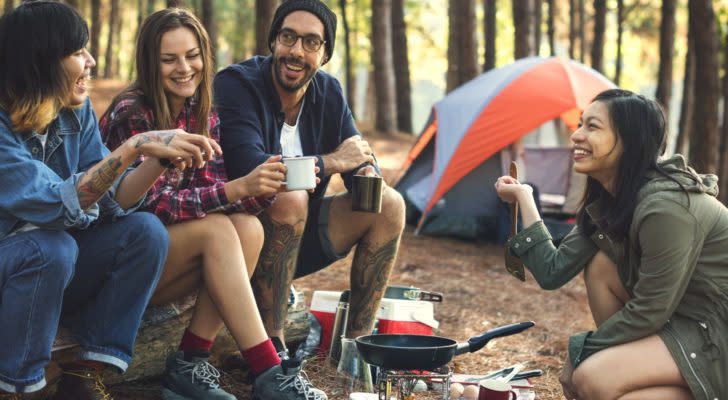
[(369, 276), (97, 181), (275, 270)]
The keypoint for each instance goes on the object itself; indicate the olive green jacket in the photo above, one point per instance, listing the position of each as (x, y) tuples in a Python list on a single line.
[(674, 265)]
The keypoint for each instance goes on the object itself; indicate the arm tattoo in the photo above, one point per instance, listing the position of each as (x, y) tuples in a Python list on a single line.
[(369, 276), (91, 188), (143, 139), (166, 137), (275, 270)]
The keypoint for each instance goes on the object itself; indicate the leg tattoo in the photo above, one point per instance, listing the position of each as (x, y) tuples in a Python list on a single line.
[(369, 275), (275, 270)]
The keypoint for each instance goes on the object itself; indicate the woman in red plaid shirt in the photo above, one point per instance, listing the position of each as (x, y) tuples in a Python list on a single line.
[(214, 234)]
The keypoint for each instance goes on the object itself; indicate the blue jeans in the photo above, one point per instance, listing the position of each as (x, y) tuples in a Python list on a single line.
[(97, 281)]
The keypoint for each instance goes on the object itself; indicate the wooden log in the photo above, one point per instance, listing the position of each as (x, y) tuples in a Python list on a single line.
[(162, 330)]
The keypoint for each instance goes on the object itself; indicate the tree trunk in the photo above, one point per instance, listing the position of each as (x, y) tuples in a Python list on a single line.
[(704, 142), (600, 21), (522, 10), (490, 32), (400, 54), (151, 7), (386, 120), (582, 32), (620, 28), (8, 6), (208, 20), (551, 29), (572, 29), (163, 327), (348, 67), (462, 62), (116, 70), (537, 22), (724, 130), (667, 45), (686, 107), (95, 30), (109, 60), (175, 3), (72, 3), (264, 10)]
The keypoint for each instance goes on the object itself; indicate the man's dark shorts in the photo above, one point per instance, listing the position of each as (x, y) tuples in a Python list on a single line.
[(316, 251)]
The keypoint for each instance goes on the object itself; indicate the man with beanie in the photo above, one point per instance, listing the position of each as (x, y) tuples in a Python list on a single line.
[(283, 104)]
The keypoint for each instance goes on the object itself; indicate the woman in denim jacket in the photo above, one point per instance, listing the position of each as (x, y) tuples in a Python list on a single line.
[(652, 241), (214, 236), (70, 250)]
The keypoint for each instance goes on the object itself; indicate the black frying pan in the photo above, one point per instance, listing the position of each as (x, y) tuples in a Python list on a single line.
[(420, 352)]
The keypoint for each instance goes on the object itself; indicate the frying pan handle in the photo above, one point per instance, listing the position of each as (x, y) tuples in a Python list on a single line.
[(476, 343)]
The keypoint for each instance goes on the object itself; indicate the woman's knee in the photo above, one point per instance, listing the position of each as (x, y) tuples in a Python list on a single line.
[(590, 383), (249, 230), (602, 271), (58, 251)]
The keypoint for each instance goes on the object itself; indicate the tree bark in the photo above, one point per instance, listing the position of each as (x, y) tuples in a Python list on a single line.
[(150, 7), (686, 107), (490, 32), (159, 338), (348, 66), (109, 60), (600, 21), (400, 54), (572, 29), (551, 28), (704, 141), (537, 22), (208, 20), (386, 119), (9, 5), (522, 10), (95, 31), (582, 32), (724, 130), (620, 30), (667, 45), (461, 45), (264, 10)]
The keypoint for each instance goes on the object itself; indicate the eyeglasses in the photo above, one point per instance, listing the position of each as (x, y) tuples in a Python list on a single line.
[(311, 43)]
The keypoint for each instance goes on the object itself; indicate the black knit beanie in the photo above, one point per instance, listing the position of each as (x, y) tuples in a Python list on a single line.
[(316, 7)]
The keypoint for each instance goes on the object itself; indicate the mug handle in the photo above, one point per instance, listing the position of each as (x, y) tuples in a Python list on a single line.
[(515, 395)]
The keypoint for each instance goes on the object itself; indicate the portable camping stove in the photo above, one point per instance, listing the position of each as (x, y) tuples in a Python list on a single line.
[(400, 385)]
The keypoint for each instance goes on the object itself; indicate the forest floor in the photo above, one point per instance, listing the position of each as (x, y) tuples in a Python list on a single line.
[(478, 295)]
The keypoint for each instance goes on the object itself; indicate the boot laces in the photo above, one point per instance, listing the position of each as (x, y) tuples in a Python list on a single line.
[(299, 382), (99, 386), (202, 372)]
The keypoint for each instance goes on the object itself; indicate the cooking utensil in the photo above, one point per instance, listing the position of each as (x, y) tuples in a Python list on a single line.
[(527, 374), (411, 293), (513, 263), (421, 352)]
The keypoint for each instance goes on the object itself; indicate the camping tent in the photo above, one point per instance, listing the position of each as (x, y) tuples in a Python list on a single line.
[(451, 169)]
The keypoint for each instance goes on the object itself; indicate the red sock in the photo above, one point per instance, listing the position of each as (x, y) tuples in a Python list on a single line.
[(261, 357), (193, 343)]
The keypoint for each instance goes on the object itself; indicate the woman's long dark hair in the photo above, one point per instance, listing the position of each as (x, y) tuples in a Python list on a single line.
[(639, 124), (34, 39)]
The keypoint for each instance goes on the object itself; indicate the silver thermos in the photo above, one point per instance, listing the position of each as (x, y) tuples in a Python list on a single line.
[(339, 329)]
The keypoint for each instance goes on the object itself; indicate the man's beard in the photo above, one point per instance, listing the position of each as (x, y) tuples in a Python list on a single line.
[(279, 64)]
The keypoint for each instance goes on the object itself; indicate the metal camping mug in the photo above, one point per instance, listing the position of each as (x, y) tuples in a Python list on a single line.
[(339, 329), (366, 193)]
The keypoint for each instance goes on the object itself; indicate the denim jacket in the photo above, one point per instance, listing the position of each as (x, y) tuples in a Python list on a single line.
[(39, 186)]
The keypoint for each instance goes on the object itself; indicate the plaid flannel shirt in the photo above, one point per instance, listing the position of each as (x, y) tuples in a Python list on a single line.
[(180, 195)]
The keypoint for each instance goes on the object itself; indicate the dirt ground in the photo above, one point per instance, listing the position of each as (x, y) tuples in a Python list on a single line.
[(478, 295)]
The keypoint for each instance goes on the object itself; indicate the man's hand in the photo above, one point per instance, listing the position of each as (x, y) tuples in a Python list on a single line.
[(182, 149), (567, 374), (265, 180), (367, 170), (351, 153)]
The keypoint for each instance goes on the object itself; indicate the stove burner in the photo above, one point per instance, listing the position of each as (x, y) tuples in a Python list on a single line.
[(399, 385)]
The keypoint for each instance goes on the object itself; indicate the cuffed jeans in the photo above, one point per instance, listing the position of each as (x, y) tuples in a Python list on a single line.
[(99, 279)]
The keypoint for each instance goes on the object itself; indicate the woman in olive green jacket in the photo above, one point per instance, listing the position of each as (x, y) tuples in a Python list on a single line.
[(652, 240)]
